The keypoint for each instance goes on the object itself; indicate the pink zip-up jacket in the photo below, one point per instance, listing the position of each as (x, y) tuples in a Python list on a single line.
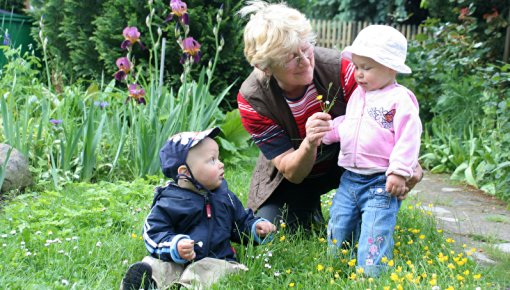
[(380, 132)]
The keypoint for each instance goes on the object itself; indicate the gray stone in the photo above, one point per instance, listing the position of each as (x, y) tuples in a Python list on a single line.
[(503, 247), (17, 173)]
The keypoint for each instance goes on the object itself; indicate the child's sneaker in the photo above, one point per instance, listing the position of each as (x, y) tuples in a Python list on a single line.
[(138, 276)]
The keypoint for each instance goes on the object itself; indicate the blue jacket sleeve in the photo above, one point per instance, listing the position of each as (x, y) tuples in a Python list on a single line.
[(159, 235)]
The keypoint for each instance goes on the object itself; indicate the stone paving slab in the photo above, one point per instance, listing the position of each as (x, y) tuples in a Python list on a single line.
[(464, 213)]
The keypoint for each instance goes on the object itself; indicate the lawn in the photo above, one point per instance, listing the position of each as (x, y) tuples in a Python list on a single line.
[(87, 234)]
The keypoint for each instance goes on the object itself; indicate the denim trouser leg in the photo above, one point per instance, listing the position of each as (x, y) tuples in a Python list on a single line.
[(379, 216), (363, 198), (345, 216)]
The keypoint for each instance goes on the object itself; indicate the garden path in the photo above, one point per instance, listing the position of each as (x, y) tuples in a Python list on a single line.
[(467, 215)]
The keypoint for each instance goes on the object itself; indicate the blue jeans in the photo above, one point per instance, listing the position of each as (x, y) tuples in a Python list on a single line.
[(365, 212)]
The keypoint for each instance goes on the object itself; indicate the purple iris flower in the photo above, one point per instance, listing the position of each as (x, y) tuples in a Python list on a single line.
[(7, 39), (131, 36), (56, 122), (124, 66), (101, 105), (136, 92), (191, 49), (179, 10)]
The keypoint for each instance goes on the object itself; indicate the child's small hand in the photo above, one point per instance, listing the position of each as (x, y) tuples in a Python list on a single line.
[(396, 185), (185, 249), (263, 228)]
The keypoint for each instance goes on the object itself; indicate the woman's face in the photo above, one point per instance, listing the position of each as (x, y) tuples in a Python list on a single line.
[(297, 70)]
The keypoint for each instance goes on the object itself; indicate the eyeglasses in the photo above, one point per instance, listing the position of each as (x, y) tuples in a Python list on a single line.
[(297, 58)]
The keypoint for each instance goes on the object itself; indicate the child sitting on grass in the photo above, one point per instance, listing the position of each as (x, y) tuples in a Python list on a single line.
[(192, 221)]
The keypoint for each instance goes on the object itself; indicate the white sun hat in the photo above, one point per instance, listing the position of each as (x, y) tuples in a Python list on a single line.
[(382, 43)]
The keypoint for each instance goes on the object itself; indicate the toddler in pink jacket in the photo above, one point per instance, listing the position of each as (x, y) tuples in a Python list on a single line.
[(379, 144)]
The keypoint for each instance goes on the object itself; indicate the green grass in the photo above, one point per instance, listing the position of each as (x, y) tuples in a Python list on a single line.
[(498, 219), (86, 235)]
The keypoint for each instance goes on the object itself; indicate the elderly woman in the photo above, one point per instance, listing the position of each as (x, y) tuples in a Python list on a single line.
[(282, 108)]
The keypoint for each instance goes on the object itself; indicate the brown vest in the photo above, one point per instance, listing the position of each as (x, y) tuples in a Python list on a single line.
[(271, 103)]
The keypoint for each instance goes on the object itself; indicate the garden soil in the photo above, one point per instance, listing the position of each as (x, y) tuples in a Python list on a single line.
[(466, 215)]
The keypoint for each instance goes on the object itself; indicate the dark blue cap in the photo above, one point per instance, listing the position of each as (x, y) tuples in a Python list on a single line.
[(176, 149)]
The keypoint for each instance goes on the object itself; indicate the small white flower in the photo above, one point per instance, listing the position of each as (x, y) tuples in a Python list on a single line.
[(65, 282), (4, 236), (50, 233), (478, 288), (99, 244), (267, 266), (90, 252), (22, 243), (277, 274), (47, 245), (13, 232), (436, 288), (75, 247), (4, 245), (68, 239), (28, 254), (75, 238), (38, 233), (61, 251)]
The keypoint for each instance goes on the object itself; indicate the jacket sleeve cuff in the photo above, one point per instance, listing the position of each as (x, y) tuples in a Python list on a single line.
[(173, 249), (256, 238)]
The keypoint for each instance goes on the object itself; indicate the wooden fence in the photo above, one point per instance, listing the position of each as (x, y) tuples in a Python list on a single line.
[(339, 34)]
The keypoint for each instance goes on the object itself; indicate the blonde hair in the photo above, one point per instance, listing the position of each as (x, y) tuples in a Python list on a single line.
[(273, 32)]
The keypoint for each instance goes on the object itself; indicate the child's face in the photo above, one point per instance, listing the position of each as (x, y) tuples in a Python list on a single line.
[(203, 160), (371, 75)]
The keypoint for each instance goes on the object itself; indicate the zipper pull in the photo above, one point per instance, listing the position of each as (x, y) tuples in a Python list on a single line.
[(208, 208)]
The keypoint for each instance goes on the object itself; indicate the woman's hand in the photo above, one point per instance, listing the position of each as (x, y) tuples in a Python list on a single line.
[(316, 127)]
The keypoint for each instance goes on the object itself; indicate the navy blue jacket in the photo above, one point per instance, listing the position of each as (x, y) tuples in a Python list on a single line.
[(179, 213)]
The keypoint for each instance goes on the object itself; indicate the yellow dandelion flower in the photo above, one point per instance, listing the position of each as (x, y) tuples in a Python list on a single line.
[(416, 231), (352, 263), (384, 260), (409, 263), (473, 250), (344, 251), (319, 98), (410, 276), (399, 287), (133, 236), (386, 288), (424, 275), (422, 237), (450, 288), (410, 207), (334, 241), (397, 244), (282, 238), (399, 269), (466, 272), (464, 246), (433, 282), (391, 263), (397, 227), (352, 276), (450, 240), (331, 281), (360, 270), (291, 284), (426, 248), (418, 204), (439, 231), (451, 266), (288, 271), (337, 275), (330, 203), (283, 225), (460, 278), (320, 267), (394, 277), (370, 280), (330, 269), (410, 242), (477, 276)]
